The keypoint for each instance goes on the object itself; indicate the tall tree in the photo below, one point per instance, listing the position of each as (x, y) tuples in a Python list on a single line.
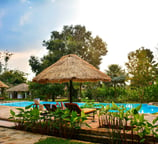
[(117, 74), (141, 67), (4, 58), (47, 91), (73, 39), (13, 77)]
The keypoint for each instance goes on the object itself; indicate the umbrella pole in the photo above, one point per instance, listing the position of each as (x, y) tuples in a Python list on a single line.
[(70, 91)]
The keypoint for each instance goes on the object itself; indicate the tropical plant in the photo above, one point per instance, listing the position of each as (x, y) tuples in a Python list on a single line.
[(88, 103), (63, 124), (68, 122), (117, 75), (120, 121)]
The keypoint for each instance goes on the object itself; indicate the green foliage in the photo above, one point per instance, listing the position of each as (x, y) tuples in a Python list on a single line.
[(120, 94), (58, 141), (64, 122), (117, 75), (46, 91), (105, 93), (25, 118), (116, 119), (68, 122), (72, 40), (150, 93), (142, 68), (13, 77), (88, 103)]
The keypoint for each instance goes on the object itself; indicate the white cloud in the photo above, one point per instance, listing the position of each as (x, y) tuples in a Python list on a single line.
[(25, 18), (20, 60)]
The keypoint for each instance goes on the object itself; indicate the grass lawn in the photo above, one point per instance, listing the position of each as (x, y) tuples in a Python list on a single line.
[(62, 100), (59, 141)]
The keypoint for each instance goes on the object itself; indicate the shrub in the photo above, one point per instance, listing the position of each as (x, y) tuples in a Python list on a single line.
[(116, 119), (64, 122)]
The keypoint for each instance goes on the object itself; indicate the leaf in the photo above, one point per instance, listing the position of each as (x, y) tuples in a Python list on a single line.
[(107, 108), (10, 117), (155, 120), (142, 140), (12, 112), (114, 106), (155, 134), (149, 124), (20, 109), (141, 118), (83, 114), (138, 107), (87, 125), (29, 106)]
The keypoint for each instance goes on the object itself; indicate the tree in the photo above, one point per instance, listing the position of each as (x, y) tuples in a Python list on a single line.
[(47, 91), (141, 67), (4, 58), (72, 40), (117, 74), (13, 77)]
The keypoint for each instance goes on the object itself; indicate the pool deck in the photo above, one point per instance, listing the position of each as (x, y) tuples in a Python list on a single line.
[(12, 136), (5, 114)]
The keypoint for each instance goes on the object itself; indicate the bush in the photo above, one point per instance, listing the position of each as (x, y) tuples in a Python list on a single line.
[(46, 91), (64, 123), (151, 93), (122, 122), (121, 94)]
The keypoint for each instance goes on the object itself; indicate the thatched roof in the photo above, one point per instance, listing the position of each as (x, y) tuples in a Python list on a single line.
[(70, 67), (2, 85), (19, 88)]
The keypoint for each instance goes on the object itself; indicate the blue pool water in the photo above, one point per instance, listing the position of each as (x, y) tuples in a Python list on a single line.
[(144, 109)]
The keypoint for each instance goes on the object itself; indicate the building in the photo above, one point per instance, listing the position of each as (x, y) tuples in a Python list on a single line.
[(20, 91)]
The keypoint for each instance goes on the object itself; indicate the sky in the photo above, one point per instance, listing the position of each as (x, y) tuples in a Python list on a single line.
[(125, 25)]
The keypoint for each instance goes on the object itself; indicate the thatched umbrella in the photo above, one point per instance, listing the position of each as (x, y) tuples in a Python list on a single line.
[(2, 85), (71, 68)]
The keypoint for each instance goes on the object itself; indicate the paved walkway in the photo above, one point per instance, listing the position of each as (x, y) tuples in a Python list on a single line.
[(12, 136), (8, 124)]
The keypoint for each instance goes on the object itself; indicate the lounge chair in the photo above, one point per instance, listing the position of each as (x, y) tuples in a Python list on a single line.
[(2, 98), (50, 107), (62, 106), (75, 107)]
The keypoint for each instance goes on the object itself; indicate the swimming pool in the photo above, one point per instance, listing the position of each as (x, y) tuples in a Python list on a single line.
[(144, 109)]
